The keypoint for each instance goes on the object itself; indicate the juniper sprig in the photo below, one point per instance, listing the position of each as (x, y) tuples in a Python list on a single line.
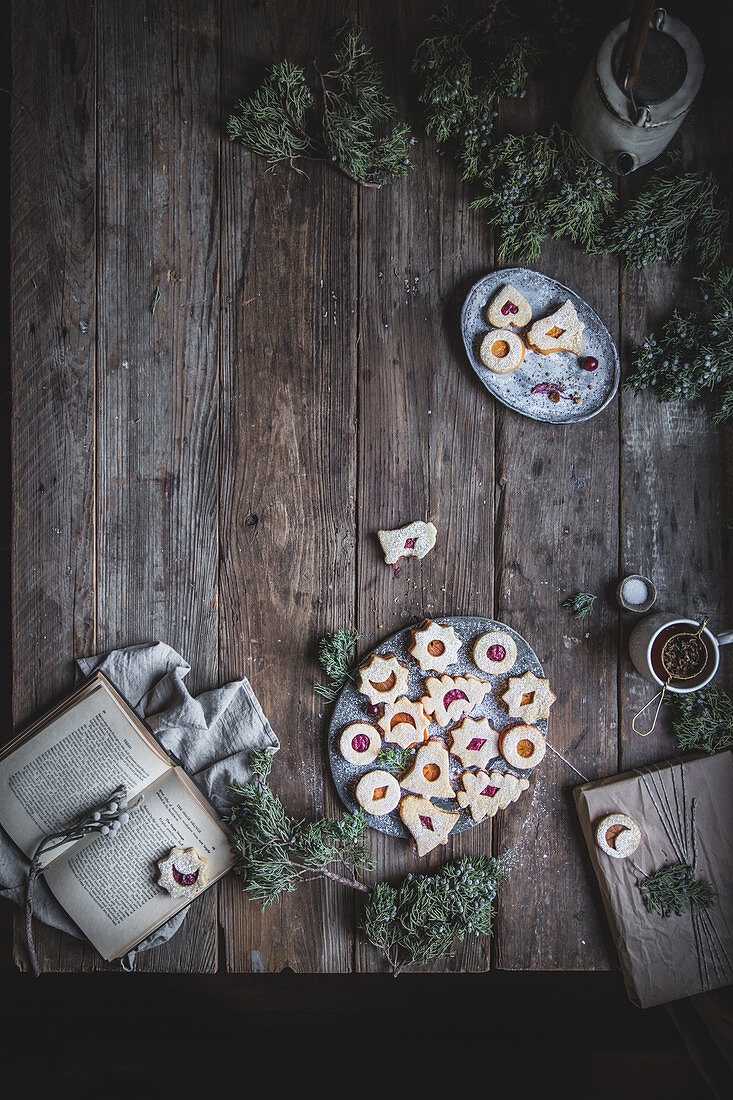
[(693, 353), (581, 604), (667, 890), (335, 655), (703, 720), (394, 759), (345, 120)]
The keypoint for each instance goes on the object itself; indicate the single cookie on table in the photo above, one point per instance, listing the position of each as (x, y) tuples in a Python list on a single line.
[(495, 652), (413, 541), (404, 722), (474, 742), (560, 331), (449, 698), (183, 872), (430, 772), (360, 743), (522, 746), (509, 307), (428, 824), (528, 697), (618, 835), (434, 646), (378, 793), (485, 794), (382, 678), (501, 351)]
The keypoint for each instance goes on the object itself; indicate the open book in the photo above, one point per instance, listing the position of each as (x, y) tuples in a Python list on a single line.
[(70, 762)]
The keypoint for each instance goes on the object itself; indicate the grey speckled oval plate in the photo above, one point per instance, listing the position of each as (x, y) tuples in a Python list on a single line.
[(351, 707), (596, 389)]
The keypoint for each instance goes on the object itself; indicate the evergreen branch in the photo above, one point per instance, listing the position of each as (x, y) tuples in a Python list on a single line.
[(666, 890), (581, 604), (335, 655), (393, 758), (703, 720)]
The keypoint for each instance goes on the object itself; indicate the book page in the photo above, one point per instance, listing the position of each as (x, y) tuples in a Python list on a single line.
[(72, 765), (108, 884)]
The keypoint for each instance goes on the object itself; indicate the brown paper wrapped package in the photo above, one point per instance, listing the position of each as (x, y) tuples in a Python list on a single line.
[(659, 958)]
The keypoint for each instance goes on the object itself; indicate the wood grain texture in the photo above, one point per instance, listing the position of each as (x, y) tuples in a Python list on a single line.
[(288, 408), (53, 341), (158, 380)]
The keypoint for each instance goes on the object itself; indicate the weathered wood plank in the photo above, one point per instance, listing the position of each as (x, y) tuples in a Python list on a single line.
[(288, 401), (158, 385), (52, 345), (426, 425)]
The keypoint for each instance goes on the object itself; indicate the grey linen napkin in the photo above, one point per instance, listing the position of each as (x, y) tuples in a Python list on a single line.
[(211, 735)]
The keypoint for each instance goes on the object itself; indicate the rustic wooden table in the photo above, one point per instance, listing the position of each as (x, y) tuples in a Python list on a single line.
[(213, 472)]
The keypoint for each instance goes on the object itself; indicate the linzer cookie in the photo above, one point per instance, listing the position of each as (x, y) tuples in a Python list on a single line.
[(560, 331), (528, 697), (501, 351), (509, 307), (618, 835), (404, 722), (412, 541), (474, 742), (183, 872), (360, 743), (434, 646), (522, 746), (484, 795), (378, 793), (430, 773), (495, 652), (428, 824), (382, 678), (450, 698)]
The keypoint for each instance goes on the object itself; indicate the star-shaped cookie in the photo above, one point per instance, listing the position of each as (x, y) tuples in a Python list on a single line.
[(528, 697), (449, 698), (404, 723), (382, 678), (435, 646), (486, 794), (430, 772), (474, 742), (429, 825), (183, 872)]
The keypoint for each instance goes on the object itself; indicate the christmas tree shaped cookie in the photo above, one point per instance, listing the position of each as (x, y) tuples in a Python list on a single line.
[(474, 742), (429, 825), (449, 698), (509, 307), (430, 773), (382, 678), (404, 723), (484, 795), (561, 331), (528, 697), (435, 646)]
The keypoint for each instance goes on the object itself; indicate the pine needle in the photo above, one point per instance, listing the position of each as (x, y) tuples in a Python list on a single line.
[(335, 655), (667, 890)]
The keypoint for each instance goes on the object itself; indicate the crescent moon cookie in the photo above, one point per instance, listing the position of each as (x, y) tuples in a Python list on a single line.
[(522, 746), (560, 331), (183, 872), (435, 646), (404, 723), (495, 652), (474, 742), (430, 772), (618, 835), (382, 678), (360, 743), (378, 793), (509, 307), (413, 541), (449, 698), (528, 697), (484, 795), (501, 351), (429, 825)]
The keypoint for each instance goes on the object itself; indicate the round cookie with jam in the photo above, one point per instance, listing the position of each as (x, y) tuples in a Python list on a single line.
[(360, 743), (495, 652), (378, 793)]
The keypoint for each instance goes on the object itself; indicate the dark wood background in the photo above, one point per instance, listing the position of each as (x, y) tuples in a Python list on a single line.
[(213, 473)]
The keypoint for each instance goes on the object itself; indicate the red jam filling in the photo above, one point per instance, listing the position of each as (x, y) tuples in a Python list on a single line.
[(360, 743), (184, 879), (426, 823), (508, 308), (451, 696), (475, 744), (410, 543), (490, 791), (496, 653)]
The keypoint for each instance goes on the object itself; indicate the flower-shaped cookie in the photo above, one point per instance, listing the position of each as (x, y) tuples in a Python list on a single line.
[(474, 742), (430, 772), (522, 746), (528, 697), (486, 794), (404, 723), (382, 678), (449, 698), (428, 824), (618, 835), (183, 872), (435, 646), (495, 652), (378, 792)]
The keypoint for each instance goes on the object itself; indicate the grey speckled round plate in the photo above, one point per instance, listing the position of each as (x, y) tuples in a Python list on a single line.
[(351, 707), (596, 388)]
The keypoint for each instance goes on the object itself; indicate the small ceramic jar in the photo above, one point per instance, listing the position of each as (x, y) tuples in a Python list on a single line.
[(630, 587)]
